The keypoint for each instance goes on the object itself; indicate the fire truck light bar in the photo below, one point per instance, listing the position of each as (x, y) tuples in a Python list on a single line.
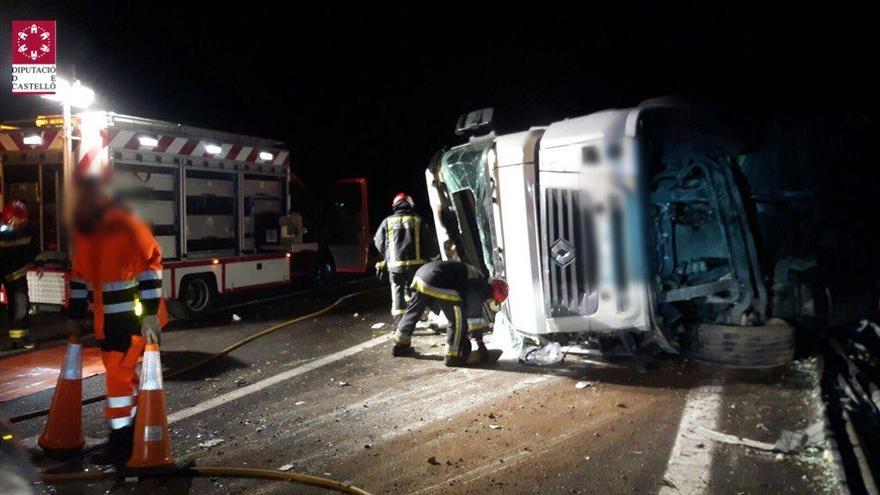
[(213, 149), (265, 155)]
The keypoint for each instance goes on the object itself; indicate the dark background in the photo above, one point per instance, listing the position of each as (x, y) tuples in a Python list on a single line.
[(374, 90)]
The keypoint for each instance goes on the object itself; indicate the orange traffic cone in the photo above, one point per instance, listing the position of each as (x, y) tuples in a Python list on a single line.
[(152, 448), (63, 432)]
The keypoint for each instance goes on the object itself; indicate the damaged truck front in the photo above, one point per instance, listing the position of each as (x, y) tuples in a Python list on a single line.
[(620, 231)]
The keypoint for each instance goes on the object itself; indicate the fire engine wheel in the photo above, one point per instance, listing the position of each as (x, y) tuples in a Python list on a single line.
[(764, 346), (197, 296)]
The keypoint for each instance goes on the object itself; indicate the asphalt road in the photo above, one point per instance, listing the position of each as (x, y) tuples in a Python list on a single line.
[(326, 397)]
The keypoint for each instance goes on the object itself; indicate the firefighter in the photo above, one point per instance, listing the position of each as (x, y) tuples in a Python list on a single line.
[(117, 264), (403, 239), (468, 300), (16, 252)]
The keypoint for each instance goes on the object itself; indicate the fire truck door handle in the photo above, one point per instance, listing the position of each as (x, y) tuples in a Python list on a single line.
[(259, 266)]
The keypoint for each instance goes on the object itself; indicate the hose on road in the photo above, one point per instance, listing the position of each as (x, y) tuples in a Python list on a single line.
[(226, 472), (91, 400), (210, 472)]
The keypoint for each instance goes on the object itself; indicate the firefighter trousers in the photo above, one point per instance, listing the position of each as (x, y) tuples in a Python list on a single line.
[(122, 381), (401, 293), (458, 342), (18, 305)]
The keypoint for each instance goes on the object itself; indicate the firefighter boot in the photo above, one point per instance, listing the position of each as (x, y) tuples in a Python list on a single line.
[(6, 344), (482, 351), (402, 350), (460, 356), (117, 450), (402, 343), (23, 341)]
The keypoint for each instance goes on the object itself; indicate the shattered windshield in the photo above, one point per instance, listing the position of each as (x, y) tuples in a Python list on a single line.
[(464, 170)]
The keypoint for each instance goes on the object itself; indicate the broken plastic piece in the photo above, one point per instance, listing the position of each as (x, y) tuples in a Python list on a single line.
[(548, 355), (212, 442)]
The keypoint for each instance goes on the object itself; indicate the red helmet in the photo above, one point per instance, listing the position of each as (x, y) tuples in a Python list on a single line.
[(402, 197), (499, 290), (15, 214)]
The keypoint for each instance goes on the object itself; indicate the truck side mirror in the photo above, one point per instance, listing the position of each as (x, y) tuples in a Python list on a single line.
[(475, 122)]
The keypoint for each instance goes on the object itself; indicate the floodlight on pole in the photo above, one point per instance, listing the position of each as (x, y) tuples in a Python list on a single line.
[(76, 95), (70, 96)]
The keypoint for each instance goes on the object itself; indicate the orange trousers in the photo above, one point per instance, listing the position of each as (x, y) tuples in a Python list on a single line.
[(122, 383)]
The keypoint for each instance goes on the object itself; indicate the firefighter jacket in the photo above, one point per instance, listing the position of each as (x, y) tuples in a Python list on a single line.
[(456, 283), (16, 251), (118, 267), (404, 239)]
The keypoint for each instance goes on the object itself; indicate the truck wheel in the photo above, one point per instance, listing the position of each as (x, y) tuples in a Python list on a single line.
[(197, 295), (764, 346)]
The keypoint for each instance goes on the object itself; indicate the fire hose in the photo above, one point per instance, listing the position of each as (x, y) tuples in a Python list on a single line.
[(171, 374), (210, 472), (196, 471)]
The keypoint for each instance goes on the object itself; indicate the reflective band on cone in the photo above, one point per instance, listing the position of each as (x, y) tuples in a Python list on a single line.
[(63, 432), (152, 448), (72, 369)]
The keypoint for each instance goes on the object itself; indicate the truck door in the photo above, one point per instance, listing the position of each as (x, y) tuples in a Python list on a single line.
[(348, 225)]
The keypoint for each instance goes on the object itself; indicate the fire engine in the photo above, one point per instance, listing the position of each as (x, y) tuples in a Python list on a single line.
[(218, 204)]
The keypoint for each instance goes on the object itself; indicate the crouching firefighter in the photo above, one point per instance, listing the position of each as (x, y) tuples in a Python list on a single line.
[(468, 300), (403, 239), (16, 252), (117, 264)]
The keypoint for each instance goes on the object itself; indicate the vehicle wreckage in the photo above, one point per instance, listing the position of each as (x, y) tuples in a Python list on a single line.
[(662, 226)]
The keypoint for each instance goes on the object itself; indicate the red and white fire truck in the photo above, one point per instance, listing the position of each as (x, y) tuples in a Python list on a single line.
[(218, 204)]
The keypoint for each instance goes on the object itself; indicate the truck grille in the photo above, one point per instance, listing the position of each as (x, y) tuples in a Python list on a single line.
[(568, 253)]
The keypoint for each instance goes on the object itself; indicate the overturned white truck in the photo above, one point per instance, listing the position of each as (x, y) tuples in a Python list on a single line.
[(623, 230)]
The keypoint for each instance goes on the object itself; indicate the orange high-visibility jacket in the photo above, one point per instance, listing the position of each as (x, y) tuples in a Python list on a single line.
[(118, 267)]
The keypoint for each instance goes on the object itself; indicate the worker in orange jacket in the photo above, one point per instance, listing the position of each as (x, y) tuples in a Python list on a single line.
[(117, 264)]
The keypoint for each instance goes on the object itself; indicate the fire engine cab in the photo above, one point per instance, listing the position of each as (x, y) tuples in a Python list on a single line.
[(218, 203)]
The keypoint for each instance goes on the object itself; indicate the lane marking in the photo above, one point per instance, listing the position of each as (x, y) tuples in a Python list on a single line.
[(689, 469), (273, 380)]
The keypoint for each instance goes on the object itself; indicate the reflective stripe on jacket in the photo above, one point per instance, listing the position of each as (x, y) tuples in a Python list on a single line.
[(118, 267), (17, 250), (458, 283), (401, 238)]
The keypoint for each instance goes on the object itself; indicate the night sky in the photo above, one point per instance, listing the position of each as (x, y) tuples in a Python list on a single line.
[(374, 90)]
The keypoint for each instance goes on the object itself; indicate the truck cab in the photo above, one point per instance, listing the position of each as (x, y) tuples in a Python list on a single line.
[(625, 230)]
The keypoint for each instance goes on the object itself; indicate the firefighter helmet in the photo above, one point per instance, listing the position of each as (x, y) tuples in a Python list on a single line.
[(402, 197), (15, 214), (499, 290)]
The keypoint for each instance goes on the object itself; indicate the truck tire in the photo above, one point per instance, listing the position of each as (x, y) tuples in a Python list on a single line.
[(198, 294), (733, 346)]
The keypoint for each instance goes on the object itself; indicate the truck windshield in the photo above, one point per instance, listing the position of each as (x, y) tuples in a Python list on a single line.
[(465, 174)]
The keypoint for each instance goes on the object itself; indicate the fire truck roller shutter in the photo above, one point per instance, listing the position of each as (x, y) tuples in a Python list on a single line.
[(151, 192), (263, 207), (210, 212)]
